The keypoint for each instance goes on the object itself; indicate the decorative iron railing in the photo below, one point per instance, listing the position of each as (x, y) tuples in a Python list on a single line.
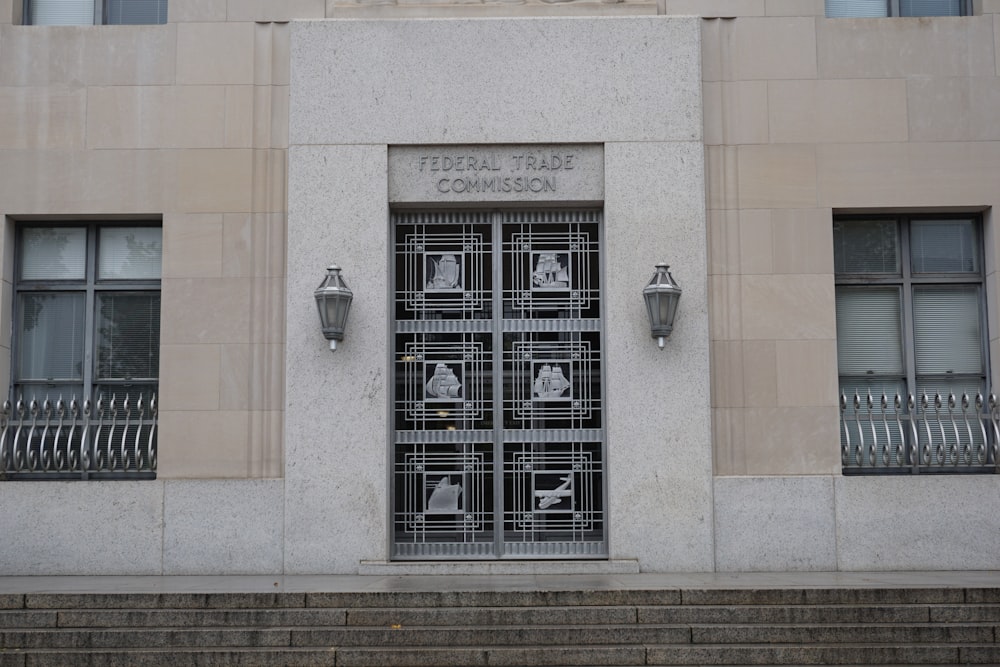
[(107, 439), (919, 434)]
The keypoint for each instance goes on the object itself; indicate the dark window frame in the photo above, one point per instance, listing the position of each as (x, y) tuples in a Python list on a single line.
[(893, 9), (92, 288), (907, 282), (104, 14)]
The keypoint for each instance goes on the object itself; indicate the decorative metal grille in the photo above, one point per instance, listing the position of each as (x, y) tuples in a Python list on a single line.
[(498, 447), (112, 438), (907, 433)]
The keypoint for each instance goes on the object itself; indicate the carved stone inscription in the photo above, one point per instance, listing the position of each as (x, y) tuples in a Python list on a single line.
[(559, 172)]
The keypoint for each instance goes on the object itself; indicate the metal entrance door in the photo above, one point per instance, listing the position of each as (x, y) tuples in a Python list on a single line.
[(498, 447)]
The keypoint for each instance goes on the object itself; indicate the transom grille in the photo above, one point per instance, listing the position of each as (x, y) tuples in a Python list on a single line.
[(498, 447)]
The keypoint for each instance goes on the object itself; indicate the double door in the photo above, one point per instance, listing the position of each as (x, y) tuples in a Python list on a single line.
[(498, 446)]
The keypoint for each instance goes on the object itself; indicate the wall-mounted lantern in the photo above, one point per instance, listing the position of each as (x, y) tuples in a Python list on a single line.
[(333, 299), (662, 295)]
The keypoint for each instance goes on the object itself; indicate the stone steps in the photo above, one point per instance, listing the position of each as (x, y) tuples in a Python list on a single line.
[(835, 626), (664, 615)]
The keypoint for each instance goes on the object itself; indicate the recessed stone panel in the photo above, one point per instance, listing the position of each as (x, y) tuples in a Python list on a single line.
[(506, 173), (496, 80), (775, 524), (927, 522)]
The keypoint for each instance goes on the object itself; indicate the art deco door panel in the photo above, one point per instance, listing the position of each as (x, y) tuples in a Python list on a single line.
[(498, 446)]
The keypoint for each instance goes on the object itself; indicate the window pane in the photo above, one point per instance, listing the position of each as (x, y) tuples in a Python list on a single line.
[(943, 246), (50, 336), (946, 330), (930, 7), (136, 12), (870, 246), (130, 253), (869, 331), (61, 12), (856, 8), (128, 336), (53, 253)]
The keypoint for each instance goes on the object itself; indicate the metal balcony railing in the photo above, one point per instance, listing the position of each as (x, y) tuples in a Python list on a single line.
[(108, 439), (919, 434)]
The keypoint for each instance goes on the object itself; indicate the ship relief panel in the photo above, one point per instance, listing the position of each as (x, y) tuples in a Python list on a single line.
[(443, 271)]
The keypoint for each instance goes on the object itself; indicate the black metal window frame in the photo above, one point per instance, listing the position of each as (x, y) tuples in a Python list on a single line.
[(915, 418), (93, 426), (105, 14), (894, 9)]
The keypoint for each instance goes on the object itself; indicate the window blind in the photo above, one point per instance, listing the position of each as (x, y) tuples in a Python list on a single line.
[(856, 8), (128, 336), (943, 246), (50, 336), (130, 253), (947, 330), (866, 247), (61, 12), (930, 7), (135, 12), (54, 253), (869, 333)]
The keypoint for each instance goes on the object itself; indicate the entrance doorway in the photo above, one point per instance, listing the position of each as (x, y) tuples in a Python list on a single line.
[(498, 446)]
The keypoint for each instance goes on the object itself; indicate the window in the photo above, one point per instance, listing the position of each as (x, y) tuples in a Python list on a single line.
[(88, 12), (911, 323), (85, 352), (881, 8)]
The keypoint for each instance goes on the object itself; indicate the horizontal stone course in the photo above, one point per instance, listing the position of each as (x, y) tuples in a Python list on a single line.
[(986, 595), (164, 600), (428, 616), (28, 619), (801, 655), (791, 614), (11, 601), (847, 633), (358, 657), (979, 655), (545, 635), (824, 596), (964, 613), (141, 639), (257, 657), (197, 617), (494, 598), (550, 655)]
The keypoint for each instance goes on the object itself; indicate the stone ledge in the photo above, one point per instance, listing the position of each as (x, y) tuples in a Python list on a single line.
[(500, 567), (491, 10)]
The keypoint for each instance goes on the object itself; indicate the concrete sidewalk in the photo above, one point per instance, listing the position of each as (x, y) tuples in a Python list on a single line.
[(508, 582)]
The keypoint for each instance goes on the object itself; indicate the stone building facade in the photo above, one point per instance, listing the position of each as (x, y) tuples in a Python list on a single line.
[(270, 138)]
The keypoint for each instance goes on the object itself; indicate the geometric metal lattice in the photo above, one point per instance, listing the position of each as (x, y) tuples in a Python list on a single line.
[(442, 266), (444, 381), (558, 379), (551, 267), (498, 447), (444, 497), (554, 496)]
